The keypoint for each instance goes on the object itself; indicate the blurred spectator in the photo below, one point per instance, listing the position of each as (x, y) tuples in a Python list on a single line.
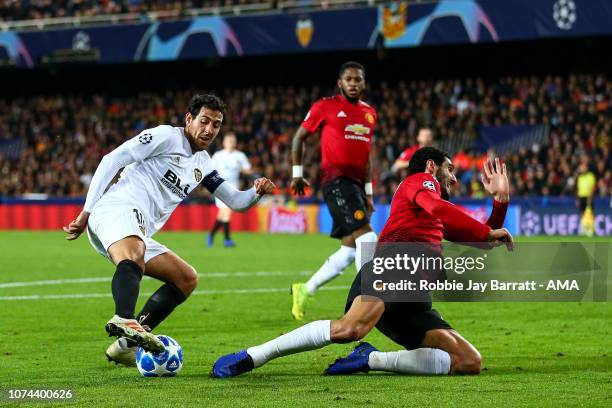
[(63, 138)]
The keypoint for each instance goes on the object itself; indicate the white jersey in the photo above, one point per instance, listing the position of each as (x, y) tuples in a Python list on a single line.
[(160, 171), (230, 164)]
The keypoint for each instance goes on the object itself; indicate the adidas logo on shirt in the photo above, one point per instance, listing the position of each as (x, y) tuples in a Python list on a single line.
[(341, 114)]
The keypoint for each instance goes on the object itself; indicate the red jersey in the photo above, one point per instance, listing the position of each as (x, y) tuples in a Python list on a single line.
[(347, 131), (408, 153), (419, 214)]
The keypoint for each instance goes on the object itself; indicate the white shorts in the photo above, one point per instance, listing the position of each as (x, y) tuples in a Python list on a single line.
[(110, 223), (220, 204)]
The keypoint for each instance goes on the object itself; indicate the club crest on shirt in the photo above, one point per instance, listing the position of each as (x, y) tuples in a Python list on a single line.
[(430, 185), (369, 117), (198, 175), (359, 215), (145, 138)]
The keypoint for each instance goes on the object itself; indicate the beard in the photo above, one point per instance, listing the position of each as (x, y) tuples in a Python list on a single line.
[(444, 193), (348, 98)]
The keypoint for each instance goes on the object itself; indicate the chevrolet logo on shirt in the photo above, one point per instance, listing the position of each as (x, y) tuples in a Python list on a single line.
[(357, 129)]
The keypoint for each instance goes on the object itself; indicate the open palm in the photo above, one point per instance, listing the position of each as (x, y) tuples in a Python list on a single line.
[(495, 180)]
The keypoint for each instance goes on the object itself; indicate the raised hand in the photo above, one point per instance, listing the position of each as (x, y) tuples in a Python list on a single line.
[(495, 180)]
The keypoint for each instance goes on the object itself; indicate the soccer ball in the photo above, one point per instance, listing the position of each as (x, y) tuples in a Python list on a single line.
[(167, 363)]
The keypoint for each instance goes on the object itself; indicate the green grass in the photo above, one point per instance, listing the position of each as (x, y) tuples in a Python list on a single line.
[(534, 354)]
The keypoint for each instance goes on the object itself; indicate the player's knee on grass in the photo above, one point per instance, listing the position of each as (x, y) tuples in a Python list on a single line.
[(465, 358), (468, 362)]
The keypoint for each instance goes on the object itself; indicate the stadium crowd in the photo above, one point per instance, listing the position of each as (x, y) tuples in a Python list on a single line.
[(14, 10), (52, 144)]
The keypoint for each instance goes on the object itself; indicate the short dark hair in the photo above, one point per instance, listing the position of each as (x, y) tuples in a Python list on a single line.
[(351, 64), (419, 160), (208, 100)]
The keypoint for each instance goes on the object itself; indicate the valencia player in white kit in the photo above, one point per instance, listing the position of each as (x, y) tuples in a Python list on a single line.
[(230, 163), (161, 167)]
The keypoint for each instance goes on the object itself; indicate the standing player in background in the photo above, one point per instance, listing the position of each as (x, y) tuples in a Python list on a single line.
[(230, 163), (586, 183), (424, 139), (347, 126), (161, 167), (420, 213)]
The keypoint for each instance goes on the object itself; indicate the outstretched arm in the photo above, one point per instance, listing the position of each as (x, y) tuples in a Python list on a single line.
[(243, 200), (466, 228)]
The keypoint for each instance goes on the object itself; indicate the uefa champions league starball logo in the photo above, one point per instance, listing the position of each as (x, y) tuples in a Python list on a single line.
[(564, 13), (530, 223)]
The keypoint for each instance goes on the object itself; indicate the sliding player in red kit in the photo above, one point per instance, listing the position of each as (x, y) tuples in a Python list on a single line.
[(420, 213)]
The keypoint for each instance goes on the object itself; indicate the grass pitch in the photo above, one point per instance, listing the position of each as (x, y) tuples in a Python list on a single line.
[(55, 300)]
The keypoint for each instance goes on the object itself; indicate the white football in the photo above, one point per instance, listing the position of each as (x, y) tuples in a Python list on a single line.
[(167, 363)]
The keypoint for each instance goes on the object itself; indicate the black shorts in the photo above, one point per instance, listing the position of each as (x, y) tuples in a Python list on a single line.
[(347, 204), (582, 204), (406, 323)]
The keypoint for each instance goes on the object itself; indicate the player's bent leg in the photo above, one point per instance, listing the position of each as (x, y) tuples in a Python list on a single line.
[(359, 320), (365, 239), (180, 279), (171, 268), (131, 248), (465, 358), (333, 266), (128, 254)]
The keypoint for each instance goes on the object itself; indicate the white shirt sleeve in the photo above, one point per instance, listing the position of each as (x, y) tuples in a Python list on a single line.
[(236, 199), (149, 143)]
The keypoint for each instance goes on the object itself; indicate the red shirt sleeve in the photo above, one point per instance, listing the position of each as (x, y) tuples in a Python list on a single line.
[(407, 154), (464, 227), (498, 215), (314, 118)]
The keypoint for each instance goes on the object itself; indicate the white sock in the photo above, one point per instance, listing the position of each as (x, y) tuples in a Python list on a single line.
[(333, 266), (311, 336), (365, 253), (419, 361)]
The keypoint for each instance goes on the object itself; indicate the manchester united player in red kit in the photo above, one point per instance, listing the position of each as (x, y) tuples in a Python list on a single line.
[(347, 126), (419, 213)]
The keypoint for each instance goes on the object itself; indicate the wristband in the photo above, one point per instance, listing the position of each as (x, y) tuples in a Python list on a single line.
[(368, 188), (298, 171)]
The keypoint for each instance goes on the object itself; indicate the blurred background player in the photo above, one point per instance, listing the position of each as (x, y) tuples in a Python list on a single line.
[(424, 139), (586, 183), (420, 213), (159, 168), (230, 163), (347, 126)]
